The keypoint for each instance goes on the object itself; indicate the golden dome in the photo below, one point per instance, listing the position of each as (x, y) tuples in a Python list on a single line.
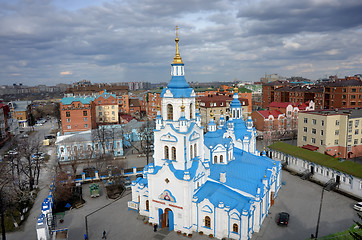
[(177, 59)]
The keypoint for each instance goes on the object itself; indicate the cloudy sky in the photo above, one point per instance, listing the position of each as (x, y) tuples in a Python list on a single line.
[(64, 41)]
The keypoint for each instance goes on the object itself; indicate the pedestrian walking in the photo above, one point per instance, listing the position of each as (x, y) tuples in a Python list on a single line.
[(85, 237), (104, 235), (155, 227)]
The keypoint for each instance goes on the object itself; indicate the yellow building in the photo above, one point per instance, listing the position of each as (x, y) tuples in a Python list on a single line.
[(106, 106), (334, 132)]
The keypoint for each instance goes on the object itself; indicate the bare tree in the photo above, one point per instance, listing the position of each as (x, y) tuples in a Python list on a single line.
[(104, 138), (63, 186), (6, 194), (146, 138), (30, 165)]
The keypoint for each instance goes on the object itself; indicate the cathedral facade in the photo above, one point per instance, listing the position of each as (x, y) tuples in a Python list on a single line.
[(216, 182)]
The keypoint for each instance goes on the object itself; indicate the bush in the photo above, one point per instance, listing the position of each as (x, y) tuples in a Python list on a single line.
[(211, 236)]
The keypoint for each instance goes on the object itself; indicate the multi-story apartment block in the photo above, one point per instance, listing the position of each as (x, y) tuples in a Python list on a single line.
[(19, 111), (343, 94), (219, 105), (336, 93), (281, 120), (334, 132), (269, 123), (269, 92), (135, 107), (77, 114), (106, 106), (4, 127), (93, 90), (153, 102), (300, 94), (123, 104)]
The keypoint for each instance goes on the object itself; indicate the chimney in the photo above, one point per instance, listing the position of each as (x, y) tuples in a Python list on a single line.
[(223, 177)]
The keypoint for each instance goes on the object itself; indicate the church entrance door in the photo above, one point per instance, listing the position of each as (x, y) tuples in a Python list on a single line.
[(272, 198), (167, 219)]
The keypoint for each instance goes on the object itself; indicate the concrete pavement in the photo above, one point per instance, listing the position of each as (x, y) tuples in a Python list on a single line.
[(299, 198)]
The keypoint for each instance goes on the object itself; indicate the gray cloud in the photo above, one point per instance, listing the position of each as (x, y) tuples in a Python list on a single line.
[(219, 40)]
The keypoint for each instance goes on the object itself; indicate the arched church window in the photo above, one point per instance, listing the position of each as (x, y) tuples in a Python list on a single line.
[(147, 205), (195, 150), (166, 153), (215, 159), (235, 228), (173, 150), (198, 184), (190, 151), (238, 114), (207, 222), (169, 112), (191, 111), (233, 113), (221, 158)]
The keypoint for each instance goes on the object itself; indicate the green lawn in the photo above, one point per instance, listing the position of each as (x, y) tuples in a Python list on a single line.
[(344, 235), (348, 167)]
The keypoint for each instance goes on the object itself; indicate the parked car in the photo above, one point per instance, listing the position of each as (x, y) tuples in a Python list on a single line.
[(24, 135), (282, 218), (358, 206)]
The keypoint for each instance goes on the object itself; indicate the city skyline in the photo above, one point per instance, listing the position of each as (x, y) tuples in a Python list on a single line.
[(59, 41)]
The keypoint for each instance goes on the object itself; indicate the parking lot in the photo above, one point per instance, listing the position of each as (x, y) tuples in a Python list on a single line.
[(301, 199)]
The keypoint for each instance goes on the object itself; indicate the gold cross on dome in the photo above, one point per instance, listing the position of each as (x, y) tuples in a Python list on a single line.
[(177, 28)]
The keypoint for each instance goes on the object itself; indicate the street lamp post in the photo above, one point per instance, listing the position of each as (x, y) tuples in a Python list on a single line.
[(319, 214)]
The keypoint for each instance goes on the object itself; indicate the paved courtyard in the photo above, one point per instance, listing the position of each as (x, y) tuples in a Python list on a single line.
[(300, 198)]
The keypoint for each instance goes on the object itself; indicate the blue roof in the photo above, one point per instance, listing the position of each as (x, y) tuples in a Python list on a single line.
[(245, 173), (235, 102), (178, 92), (178, 87), (178, 82), (216, 193), (179, 174), (211, 139), (106, 95), (240, 129), (70, 100)]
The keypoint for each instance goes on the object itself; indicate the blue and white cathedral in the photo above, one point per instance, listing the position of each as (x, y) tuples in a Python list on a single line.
[(217, 183)]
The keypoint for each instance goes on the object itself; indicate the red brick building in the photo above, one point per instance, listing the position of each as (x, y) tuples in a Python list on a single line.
[(270, 123), (343, 94), (77, 114)]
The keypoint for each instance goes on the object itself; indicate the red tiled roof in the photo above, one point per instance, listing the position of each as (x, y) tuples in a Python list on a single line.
[(127, 117), (310, 147), (267, 113), (281, 104)]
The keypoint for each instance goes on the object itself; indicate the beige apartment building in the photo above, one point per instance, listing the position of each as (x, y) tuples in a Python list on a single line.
[(336, 132), (106, 107)]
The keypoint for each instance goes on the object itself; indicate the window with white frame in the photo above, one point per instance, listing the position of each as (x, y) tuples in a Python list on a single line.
[(305, 120), (336, 132), (356, 132), (336, 142), (313, 140), (314, 131), (314, 121), (337, 122), (305, 129), (305, 138), (322, 123)]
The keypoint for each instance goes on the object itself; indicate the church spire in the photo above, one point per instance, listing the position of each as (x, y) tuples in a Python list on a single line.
[(177, 59)]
